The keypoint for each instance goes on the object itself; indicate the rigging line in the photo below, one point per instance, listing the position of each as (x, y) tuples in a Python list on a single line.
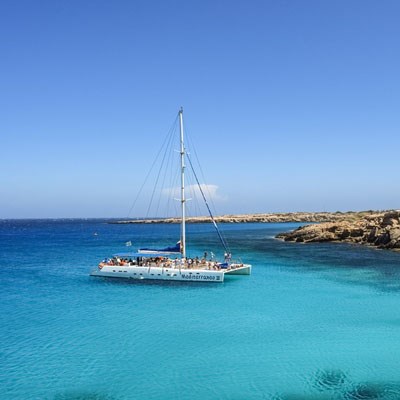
[(190, 193), (197, 205), (194, 207), (151, 168), (191, 143), (208, 207), (159, 173), (201, 171), (167, 162), (174, 178), (174, 192)]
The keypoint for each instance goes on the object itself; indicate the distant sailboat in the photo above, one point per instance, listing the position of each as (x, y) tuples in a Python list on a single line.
[(172, 263)]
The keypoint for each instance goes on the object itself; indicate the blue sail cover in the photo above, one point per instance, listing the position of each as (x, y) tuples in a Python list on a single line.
[(166, 250), (141, 255)]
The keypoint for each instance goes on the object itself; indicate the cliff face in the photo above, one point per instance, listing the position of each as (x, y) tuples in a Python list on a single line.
[(379, 229)]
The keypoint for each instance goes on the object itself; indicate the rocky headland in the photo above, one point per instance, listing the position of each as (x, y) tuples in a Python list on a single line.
[(374, 228), (380, 229), (243, 218)]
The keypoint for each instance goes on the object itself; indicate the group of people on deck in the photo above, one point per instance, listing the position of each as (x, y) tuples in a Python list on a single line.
[(165, 262), (116, 261)]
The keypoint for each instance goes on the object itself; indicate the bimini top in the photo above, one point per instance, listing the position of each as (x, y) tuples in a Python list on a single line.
[(142, 255), (168, 250)]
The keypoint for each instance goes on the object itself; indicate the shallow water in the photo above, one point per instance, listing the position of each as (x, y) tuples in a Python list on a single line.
[(318, 321)]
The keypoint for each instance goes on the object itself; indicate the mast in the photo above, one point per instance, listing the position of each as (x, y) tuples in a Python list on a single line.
[(183, 200)]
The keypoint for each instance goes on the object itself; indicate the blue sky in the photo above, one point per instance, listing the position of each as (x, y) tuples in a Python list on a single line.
[(293, 105)]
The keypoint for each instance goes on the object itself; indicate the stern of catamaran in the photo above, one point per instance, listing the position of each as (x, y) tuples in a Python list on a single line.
[(238, 269)]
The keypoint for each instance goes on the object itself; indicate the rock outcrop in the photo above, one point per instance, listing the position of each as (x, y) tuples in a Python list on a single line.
[(376, 229)]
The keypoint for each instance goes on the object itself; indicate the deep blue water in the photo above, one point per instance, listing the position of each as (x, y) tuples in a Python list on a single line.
[(318, 321)]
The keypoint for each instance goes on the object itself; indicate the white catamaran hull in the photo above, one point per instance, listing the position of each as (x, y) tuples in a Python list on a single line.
[(169, 274)]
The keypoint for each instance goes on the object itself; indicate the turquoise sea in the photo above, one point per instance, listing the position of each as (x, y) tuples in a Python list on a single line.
[(318, 321)]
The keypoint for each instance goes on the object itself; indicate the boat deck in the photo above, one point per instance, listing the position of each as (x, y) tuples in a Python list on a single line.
[(140, 266), (178, 264)]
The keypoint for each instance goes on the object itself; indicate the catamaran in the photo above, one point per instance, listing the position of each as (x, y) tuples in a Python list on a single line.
[(172, 263)]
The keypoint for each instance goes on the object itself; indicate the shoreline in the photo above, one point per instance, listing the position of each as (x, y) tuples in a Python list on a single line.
[(260, 217), (379, 229)]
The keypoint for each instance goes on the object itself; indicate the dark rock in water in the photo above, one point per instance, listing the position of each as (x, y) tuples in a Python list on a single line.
[(373, 391), (330, 380), (379, 229), (335, 385), (364, 392)]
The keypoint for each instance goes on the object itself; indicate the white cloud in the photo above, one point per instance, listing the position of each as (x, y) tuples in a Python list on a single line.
[(210, 191)]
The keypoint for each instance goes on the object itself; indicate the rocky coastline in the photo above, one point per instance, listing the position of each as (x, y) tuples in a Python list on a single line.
[(374, 228), (379, 229), (267, 217)]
